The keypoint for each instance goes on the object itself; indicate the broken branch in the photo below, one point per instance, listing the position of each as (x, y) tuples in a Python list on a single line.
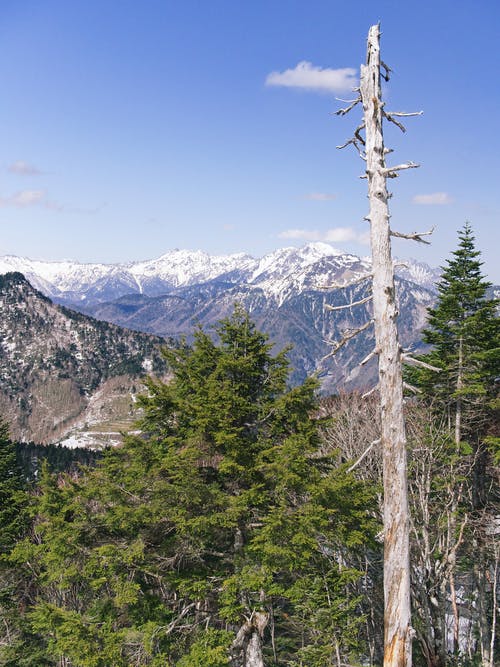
[(353, 103), (411, 388), (391, 119), (368, 357), (418, 362), (391, 171), (350, 283), (415, 236), (348, 335), (349, 305), (354, 142), (367, 450), (357, 133), (402, 114), (370, 391), (387, 69)]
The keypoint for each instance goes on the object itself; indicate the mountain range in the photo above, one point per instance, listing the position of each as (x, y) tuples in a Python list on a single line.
[(277, 274), (287, 292)]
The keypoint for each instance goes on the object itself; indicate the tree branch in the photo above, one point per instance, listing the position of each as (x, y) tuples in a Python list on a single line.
[(349, 305), (391, 119), (418, 362), (392, 115), (352, 104), (357, 133), (415, 236), (402, 114), (348, 335), (391, 172), (387, 69), (355, 143), (350, 283), (370, 391), (411, 388), (367, 450), (368, 357)]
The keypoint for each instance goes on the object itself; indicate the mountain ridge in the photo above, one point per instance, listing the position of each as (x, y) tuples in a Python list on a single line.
[(55, 363), (281, 271)]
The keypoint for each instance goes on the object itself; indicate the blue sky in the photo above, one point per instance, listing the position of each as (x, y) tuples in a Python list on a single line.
[(128, 129)]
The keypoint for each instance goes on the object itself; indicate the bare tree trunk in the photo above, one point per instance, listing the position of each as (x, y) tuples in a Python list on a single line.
[(397, 615), (479, 570), (494, 585), (456, 617), (246, 650), (458, 405)]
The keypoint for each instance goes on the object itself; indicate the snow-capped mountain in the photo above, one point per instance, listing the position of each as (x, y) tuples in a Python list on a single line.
[(278, 274), (418, 272), (285, 292), (74, 282)]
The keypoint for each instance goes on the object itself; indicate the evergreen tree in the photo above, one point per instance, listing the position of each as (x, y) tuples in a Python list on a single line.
[(13, 523), (12, 500), (217, 533), (464, 331)]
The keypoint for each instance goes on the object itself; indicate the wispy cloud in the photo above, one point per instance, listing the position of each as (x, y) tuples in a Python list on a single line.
[(320, 196), (301, 234), (433, 199), (318, 79), (344, 234), (27, 198), (334, 235), (23, 168)]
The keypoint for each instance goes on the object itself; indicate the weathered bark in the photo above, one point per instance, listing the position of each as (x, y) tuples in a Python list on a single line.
[(494, 585), (397, 616), (483, 620), (459, 385), (246, 650)]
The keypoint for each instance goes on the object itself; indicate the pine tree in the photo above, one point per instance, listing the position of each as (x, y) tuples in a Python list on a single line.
[(216, 536), (464, 331), (13, 522), (11, 497)]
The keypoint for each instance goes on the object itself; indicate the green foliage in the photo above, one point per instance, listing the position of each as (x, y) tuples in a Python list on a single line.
[(464, 331), (209, 649), (454, 486), (13, 523), (30, 458), (221, 508), (12, 498)]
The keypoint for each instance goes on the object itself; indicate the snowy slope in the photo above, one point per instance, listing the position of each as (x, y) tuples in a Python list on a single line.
[(279, 274)]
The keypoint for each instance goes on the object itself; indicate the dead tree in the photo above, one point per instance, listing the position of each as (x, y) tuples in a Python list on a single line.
[(246, 649), (369, 142)]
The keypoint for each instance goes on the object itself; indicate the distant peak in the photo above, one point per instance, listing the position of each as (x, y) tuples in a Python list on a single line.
[(323, 248)]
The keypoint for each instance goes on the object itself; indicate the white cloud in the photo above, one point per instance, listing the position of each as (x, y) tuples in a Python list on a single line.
[(302, 234), (345, 234), (23, 168), (26, 198), (320, 196), (334, 235), (435, 198), (309, 77)]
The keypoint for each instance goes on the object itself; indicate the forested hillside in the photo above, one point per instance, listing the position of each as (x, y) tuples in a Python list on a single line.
[(58, 367)]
